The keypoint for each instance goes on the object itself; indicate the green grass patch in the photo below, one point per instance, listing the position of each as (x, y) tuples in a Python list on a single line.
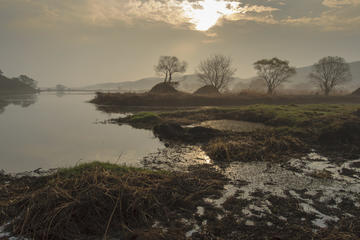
[(144, 116), (100, 166)]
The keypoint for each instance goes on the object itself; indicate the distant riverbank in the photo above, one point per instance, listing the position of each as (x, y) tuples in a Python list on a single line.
[(187, 100)]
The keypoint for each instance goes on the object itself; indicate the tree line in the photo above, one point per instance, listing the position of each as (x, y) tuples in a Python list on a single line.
[(218, 71), (23, 79)]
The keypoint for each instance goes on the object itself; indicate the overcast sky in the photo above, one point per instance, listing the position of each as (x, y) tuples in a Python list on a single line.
[(82, 42)]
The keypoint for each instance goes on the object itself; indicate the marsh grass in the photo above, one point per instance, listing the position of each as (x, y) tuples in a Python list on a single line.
[(103, 199), (291, 129), (261, 146)]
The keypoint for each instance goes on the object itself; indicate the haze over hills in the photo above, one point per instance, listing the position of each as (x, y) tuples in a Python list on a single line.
[(300, 80), (189, 83)]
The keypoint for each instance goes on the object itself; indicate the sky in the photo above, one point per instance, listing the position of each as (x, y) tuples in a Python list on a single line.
[(83, 42)]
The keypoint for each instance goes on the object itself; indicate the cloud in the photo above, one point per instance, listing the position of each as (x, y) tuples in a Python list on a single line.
[(340, 3), (202, 14), (334, 19), (191, 14), (129, 10)]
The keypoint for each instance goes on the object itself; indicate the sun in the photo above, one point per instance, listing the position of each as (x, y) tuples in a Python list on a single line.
[(205, 14)]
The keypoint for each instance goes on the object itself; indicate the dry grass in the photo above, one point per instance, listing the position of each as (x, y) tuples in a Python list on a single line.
[(326, 127), (100, 200), (259, 146), (187, 100)]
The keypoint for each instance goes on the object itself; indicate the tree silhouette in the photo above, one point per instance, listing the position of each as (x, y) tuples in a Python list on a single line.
[(330, 72), (274, 72), (216, 71), (168, 66)]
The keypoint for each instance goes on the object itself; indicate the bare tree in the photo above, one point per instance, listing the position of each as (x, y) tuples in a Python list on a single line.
[(216, 71), (330, 72), (168, 66), (274, 72)]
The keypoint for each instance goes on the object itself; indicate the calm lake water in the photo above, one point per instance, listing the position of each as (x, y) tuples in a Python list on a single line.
[(49, 131)]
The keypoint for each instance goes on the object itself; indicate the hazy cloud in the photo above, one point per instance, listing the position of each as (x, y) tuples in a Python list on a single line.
[(340, 3), (202, 13), (196, 14), (77, 42), (342, 15)]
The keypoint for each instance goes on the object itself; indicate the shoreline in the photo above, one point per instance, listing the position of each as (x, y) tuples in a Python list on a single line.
[(120, 100)]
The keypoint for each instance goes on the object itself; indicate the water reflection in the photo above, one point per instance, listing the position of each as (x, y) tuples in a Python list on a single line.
[(60, 93), (23, 100), (46, 131)]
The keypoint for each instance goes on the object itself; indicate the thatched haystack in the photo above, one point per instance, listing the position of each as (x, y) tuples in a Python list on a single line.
[(163, 88), (356, 92), (207, 90)]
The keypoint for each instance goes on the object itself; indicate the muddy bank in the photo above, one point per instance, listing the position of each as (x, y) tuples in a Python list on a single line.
[(240, 200), (292, 198), (191, 135), (259, 130)]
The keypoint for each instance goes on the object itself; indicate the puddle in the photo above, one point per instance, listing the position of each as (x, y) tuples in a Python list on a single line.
[(231, 125), (176, 158), (314, 164), (292, 188)]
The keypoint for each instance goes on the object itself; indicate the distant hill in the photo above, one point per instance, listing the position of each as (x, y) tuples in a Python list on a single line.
[(139, 85), (187, 83), (14, 85), (190, 83)]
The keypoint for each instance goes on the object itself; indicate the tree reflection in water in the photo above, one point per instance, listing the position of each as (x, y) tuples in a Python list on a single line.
[(23, 100)]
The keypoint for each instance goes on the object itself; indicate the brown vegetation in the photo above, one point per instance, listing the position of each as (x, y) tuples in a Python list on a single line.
[(100, 200), (207, 90), (121, 100), (163, 88), (260, 146), (175, 132), (292, 129)]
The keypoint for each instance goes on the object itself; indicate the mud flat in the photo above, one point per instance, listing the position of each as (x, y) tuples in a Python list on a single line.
[(311, 197)]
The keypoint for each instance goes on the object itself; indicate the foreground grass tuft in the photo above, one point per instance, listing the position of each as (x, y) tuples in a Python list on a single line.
[(103, 199)]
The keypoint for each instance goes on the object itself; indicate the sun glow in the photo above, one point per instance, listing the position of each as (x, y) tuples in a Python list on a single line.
[(205, 14)]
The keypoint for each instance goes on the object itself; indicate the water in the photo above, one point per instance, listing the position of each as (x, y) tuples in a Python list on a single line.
[(50, 131)]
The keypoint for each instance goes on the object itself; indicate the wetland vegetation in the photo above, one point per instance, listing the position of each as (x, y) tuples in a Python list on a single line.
[(264, 179)]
